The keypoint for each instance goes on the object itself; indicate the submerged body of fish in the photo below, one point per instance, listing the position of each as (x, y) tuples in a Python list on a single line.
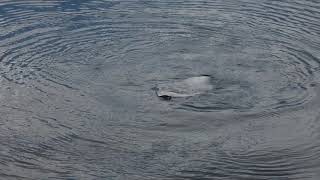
[(185, 88)]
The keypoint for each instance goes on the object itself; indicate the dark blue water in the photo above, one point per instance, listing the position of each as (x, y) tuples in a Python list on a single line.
[(77, 98)]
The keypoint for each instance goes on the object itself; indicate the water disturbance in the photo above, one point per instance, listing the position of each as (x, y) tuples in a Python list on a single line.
[(77, 97)]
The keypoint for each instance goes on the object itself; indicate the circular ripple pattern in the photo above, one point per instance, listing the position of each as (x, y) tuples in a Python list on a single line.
[(262, 55), (77, 77)]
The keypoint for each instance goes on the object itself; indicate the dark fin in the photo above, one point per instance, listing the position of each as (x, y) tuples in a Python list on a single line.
[(166, 97), (205, 75)]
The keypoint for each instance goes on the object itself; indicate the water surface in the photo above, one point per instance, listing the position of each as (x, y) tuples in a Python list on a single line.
[(77, 98)]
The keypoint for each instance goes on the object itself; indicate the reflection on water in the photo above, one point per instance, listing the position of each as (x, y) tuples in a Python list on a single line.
[(77, 98)]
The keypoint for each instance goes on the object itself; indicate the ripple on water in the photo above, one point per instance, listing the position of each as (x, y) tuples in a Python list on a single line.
[(264, 164), (76, 80)]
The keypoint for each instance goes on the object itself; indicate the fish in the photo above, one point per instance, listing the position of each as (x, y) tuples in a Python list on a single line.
[(184, 88)]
